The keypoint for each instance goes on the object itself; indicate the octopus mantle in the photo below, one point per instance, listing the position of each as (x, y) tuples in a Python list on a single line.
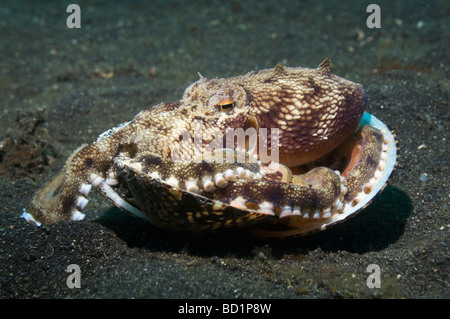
[(178, 166)]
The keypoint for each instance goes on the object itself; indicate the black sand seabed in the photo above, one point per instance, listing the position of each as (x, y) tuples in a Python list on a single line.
[(154, 49)]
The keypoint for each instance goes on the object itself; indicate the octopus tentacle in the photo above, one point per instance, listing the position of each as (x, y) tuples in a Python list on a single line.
[(372, 160), (65, 195), (318, 199), (205, 176), (189, 189)]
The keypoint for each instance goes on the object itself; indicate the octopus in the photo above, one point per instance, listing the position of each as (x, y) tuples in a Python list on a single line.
[(208, 162)]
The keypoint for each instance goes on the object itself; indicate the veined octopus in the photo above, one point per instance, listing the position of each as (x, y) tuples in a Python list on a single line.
[(203, 163)]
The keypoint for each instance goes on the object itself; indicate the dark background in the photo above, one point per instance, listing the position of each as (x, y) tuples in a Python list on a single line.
[(62, 87)]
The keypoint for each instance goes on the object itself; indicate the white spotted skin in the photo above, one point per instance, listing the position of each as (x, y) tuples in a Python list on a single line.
[(171, 166)]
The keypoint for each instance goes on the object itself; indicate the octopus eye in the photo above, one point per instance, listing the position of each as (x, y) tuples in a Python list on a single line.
[(227, 105)]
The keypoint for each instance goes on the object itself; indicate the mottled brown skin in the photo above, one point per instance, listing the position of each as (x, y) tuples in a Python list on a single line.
[(314, 110)]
